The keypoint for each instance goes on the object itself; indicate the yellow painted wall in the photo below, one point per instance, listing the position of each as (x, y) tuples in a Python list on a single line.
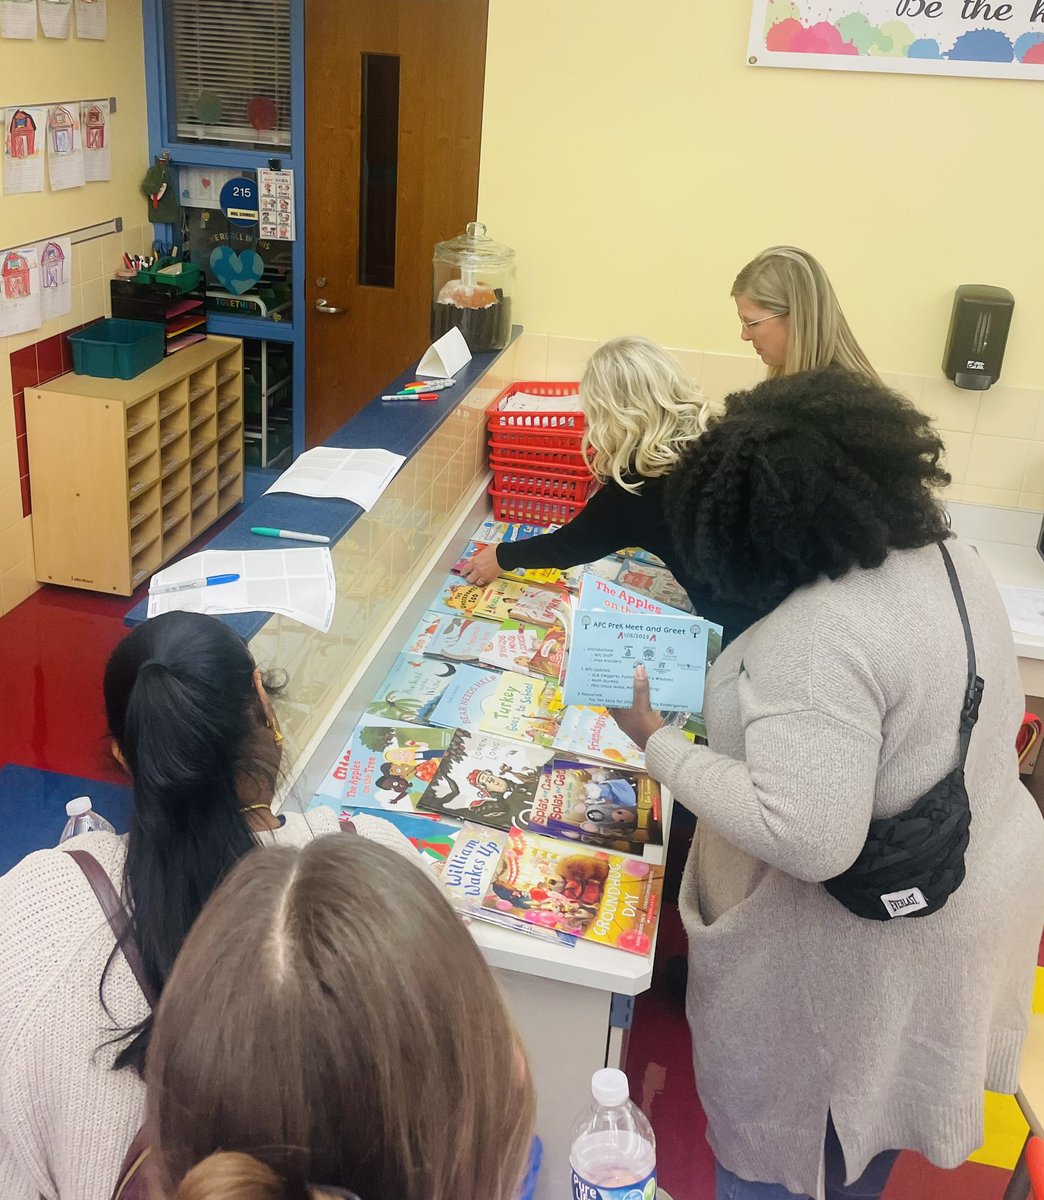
[(636, 163), (45, 71)]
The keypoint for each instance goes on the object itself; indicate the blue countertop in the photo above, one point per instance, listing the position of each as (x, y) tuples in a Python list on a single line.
[(386, 425)]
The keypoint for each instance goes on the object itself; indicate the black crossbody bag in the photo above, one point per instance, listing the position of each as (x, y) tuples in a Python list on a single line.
[(912, 863)]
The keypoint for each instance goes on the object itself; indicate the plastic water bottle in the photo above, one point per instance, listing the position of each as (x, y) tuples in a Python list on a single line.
[(83, 819), (614, 1150)]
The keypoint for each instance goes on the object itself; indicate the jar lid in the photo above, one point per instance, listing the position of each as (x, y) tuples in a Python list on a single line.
[(474, 249)]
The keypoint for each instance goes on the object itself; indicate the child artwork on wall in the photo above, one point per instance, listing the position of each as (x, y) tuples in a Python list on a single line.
[(56, 18), (95, 138), (25, 130), (55, 257), (19, 291), (64, 147), (18, 18), (90, 19)]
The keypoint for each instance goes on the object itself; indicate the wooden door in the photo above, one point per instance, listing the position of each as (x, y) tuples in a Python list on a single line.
[(394, 96)]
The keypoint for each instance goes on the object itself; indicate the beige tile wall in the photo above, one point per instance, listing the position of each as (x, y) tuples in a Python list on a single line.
[(994, 440), (93, 264)]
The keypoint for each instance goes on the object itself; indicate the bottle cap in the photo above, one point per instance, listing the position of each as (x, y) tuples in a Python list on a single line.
[(79, 806), (609, 1087)]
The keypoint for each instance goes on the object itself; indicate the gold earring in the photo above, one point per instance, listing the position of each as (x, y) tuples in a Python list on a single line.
[(277, 733)]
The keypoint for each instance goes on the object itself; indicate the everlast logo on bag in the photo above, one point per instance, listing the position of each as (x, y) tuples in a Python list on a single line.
[(900, 904)]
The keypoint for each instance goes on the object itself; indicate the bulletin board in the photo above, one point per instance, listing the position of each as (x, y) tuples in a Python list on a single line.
[(1003, 40)]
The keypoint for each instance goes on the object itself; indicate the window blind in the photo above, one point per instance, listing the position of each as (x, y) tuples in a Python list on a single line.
[(239, 52)]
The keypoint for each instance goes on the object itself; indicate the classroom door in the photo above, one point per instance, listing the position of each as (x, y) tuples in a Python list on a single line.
[(394, 95)]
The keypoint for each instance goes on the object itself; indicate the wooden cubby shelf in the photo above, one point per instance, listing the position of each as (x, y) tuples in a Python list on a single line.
[(125, 473)]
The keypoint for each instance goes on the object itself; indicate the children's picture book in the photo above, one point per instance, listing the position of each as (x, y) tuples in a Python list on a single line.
[(432, 837), (468, 872), (604, 898), (383, 766), (512, 647), (653, 581), (465, 699), (592, 733), (518, 708), (607, 807), (542, 576), (613, 630), (458, 638), (456, 596), (538, 606), (485, 779), (640, 555), (550, 655), (502, 531), (426, 628), (498, 599), (410, 690)]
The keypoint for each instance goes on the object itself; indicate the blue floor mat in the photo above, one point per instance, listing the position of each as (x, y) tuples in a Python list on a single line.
[(32, 808)]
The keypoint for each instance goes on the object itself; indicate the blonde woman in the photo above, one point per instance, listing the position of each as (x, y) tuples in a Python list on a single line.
[(642, 414), (331, 1029), (790, 314)]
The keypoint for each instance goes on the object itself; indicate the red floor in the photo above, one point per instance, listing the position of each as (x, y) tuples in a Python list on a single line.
[(53, 648)]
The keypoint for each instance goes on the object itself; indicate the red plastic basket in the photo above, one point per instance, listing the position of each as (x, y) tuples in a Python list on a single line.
[(551, 457), (532, 510), (552, 430), (572, 483)]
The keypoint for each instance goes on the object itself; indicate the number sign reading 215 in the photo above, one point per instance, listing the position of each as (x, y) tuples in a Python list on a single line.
[(239, 201)]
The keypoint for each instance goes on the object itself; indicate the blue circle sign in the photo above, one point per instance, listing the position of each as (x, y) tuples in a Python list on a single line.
[(239, 201)]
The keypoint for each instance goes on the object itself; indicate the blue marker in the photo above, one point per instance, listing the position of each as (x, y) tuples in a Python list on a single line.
[(209, 581)]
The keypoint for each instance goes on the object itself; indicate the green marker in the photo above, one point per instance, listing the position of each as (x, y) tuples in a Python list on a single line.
[(264, 531)]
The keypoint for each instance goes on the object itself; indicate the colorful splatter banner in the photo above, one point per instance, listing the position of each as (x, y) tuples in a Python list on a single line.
[(1002, 39)]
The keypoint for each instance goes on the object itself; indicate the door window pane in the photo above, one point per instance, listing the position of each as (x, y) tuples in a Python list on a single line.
[(378, 169)]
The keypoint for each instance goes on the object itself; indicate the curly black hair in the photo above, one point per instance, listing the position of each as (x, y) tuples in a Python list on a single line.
[(804, 476)]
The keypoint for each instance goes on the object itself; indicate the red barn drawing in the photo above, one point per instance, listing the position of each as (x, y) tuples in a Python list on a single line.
[(95, 127), (15, 274), (60, 124), (21, 137), (52, 265)]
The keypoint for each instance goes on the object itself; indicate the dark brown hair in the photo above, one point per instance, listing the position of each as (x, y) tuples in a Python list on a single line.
[(330, 1021)]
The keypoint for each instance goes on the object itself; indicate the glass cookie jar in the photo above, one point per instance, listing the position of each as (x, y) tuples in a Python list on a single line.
[(473, 279)]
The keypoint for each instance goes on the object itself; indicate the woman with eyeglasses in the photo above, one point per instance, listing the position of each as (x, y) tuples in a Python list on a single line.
[(790, 314), (330, 1029), (193, 725)]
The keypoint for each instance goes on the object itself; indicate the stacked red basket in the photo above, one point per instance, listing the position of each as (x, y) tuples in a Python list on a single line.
[(540, 473)]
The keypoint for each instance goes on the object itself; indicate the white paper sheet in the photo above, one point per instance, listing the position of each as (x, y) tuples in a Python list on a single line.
[(293, 583), (96, 135), (276, 197), (55, 259), (359, 475), (56, 18), (90, 19), (1025, 609), (25, 131), (64, 147), (18, 18), (200, 187), (19, 291), (446, 356)]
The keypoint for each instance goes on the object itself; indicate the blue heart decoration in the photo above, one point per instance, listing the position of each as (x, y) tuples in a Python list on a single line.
[(236, 272)]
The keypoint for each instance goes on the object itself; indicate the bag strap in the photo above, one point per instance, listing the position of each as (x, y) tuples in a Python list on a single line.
[(117, 916), (133, 1161), (973, 689)]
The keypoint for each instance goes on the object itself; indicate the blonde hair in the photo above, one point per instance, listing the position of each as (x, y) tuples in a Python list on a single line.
[(641, 411), (326, 1006), (790, 282)]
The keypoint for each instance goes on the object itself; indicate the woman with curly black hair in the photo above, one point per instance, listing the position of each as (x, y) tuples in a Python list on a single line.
[(825, 1041)]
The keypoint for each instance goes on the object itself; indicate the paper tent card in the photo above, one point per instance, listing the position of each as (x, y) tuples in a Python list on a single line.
[(445, 357)]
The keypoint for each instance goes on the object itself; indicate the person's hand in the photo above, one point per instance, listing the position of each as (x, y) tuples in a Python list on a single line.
[(641, 720), (482, 567)]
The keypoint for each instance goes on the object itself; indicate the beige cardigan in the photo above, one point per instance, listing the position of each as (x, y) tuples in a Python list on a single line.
[(840, 705), (66, 1118)]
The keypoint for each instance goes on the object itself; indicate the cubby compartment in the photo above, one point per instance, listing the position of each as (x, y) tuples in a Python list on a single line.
[(141, 416), (141, 446), (229, 368), (175, 484), (175, 455), (202, 382), (145, 562), (172, 398), (142, 476), (173, 426), (146, 533), (143, 506), (204, 434)]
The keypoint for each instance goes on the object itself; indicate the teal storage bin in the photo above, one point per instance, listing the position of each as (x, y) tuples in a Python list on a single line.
[(117, 349)]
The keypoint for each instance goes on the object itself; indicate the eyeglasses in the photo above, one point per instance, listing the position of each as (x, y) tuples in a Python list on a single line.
[(771, 317)]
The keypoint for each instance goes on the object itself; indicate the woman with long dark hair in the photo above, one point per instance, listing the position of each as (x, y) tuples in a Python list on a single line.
[(192, 722)]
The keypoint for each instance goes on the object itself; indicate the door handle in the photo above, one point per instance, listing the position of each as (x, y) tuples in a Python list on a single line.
[(331, 310)]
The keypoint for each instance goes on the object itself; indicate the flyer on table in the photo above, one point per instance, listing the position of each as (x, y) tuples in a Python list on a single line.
[(615, 629)]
